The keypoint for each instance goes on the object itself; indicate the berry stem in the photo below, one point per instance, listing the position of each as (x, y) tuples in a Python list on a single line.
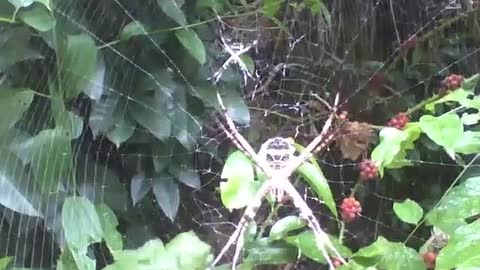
[(422, 104)]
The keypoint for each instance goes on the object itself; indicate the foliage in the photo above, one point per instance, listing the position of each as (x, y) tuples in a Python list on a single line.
[(103, 109)]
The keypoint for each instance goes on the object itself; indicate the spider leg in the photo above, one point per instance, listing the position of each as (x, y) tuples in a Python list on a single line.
[(321, 237), (248, 215), (242, 142)]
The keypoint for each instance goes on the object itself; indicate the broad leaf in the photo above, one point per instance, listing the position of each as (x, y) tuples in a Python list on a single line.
[(81, 223), (4, 262), (443, 130), (139, 187), (285, 225), (306, 243), (271, 7), (172, 9), (13, 103), (408, 211), (389, 255), (38, 17), (462, 250), (193, 44), (50, 156), (316, 180), (14, 193), (151, 116), (240, 187), (462, 202), (79, 63), (167, 195), (109, 224), (131, 30), (263, 252), (95, 87)]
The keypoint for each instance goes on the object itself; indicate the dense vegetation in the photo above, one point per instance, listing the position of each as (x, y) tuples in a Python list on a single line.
[(112, 156)]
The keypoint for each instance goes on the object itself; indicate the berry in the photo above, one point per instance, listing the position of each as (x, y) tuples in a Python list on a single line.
[(429, 259), (451, 82), (368, 170), (399, 121), (336, 262), (343, 115), (377, 81), (350, 209)]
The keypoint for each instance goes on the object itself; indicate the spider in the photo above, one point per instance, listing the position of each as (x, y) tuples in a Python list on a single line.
[(277, 161)]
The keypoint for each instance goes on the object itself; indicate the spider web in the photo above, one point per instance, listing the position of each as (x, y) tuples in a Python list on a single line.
[(316, 57)]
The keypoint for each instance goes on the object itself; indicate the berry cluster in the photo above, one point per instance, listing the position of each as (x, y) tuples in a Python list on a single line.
[(350, 209), (429, 259), (368, 170), (452, 82), (399, 121)]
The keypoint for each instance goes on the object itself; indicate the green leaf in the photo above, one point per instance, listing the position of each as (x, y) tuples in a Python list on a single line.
[(14, 192), (389, 255), (248, 62), (38, 17), (263, 252), (184, 251), (236, 107), (109, 224), (50, 156), (103, 114), (173, 10), (462, 250), (96, 85), (80, 222), (470, 119), (462, 202), (285, 225), (271, 7), (139, 187), (79, 63), (307, 245), (460, 95), (443, 130), (469, 84), (13, 103), (151, 117), (121, 132), (15, 46), (4, 262), (469, 143), (190, 252), (316, 180), (189, 178), (21, 3), (240, 187), (408, 211), (167, 195), (192, 43), (131, 30)]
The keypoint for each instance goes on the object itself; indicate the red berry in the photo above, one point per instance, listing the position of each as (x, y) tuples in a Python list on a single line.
[(399, 121), (452, 82), (429, 259), (350, 209), (368, 169)]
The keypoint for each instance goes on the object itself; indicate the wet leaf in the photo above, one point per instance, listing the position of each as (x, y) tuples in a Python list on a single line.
[(132, 29), (408, 211), (151, 117), (462, 250), (13, 103), (38, 17), (443, 130), (462, 202), (265, 253), (307, 245)]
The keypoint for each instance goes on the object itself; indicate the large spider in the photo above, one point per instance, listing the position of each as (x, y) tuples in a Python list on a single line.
[(277, 161)]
